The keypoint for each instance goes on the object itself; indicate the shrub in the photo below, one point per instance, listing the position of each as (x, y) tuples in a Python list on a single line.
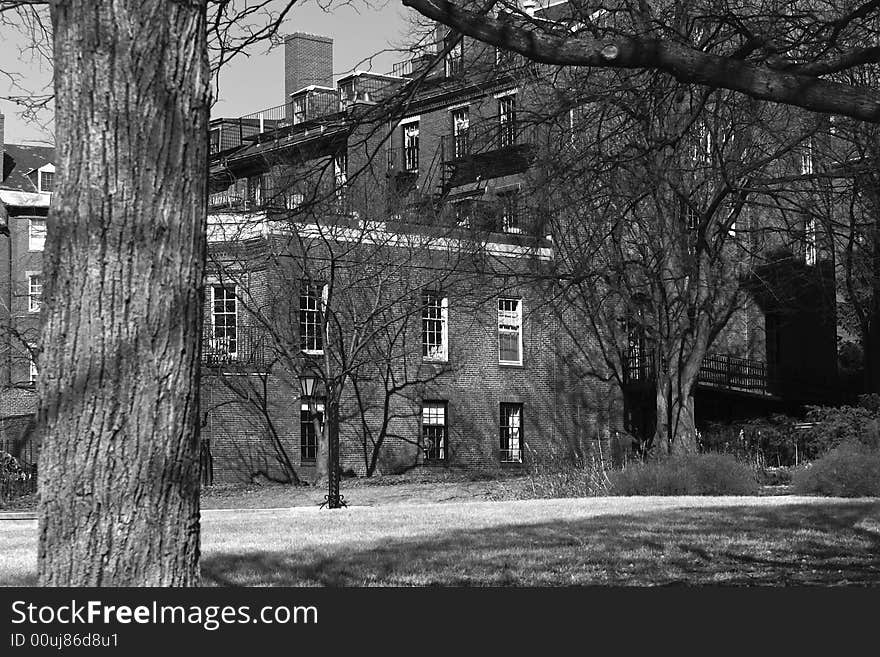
[(700, 474), (557, 473), (849, 470), (834, 426), (766, 442)]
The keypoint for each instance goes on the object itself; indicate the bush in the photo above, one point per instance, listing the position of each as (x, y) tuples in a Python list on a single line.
[(701, 474), (849, 470), (835, 425), (559, 474), (766, 442)]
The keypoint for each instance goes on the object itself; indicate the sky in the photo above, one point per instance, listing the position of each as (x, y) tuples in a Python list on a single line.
[(359, 29)]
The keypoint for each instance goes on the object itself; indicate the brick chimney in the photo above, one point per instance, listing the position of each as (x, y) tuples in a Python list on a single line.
[(308, 60)]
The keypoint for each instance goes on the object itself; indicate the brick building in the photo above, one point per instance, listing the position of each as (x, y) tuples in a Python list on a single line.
[(25, 192), (387, 234), (453, 169)]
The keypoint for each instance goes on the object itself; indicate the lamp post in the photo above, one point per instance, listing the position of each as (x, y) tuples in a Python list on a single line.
[(333, 499)]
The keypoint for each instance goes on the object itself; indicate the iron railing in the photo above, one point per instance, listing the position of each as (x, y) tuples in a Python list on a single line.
[(18, 470), (486, 137), (403, 160), (245, 346), (512, 455), (716, 370), (310, 107)]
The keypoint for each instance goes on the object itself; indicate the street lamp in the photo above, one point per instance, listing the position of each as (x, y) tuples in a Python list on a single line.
[(333, 499)]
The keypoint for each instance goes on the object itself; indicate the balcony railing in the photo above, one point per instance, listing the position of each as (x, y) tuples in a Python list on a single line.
[(403, 160), (716, 371), (486, 137), (243, 346), (250, 126)]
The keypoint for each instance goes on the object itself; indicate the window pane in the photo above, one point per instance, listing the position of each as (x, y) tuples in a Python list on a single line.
[(433, 327), (509, 331), (511, 433), (434, 430), (224, 317), (311, 338), (308, 432), (36, 234)]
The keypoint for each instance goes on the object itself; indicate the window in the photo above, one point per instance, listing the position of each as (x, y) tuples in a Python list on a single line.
[(510, 331), (434, 430), (460, 134), (810, 248), (255, 194), (214, 141), (340, 180), (308, 436), (434, 327), (311, 302), (510, 212), (454, 62), (224, 320), (411, 146), (702, 149), (35, 292), (807, 158), (47, 181), (294, 200), (507, 120), (511, 433), (33, 371), (299, 110), (36, 234), (462, 211)]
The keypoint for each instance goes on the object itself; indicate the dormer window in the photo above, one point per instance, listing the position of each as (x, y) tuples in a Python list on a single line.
[(47, 181)]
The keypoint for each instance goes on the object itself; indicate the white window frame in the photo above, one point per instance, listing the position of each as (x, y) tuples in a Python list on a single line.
[(503, 330), (36, 236), (440, 355), (511, 199), (40, 175), (453, 63), (811, 251), (411, 131), (507, 121), (35, 291), (435, 413), (461, 121), (215, 338), (321, 308), (33, 371), (512, 440), (314, 408), (807, 158)]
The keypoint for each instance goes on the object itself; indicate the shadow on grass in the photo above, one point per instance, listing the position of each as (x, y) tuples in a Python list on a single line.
[(797, 544)]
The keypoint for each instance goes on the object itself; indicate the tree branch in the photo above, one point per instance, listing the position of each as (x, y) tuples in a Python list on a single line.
[(682, 62)]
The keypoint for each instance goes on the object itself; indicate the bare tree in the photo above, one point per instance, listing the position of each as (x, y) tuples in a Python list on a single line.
[(775, 51), (654, 203)]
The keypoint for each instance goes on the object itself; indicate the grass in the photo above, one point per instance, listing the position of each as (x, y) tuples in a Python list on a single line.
[(604, 541)]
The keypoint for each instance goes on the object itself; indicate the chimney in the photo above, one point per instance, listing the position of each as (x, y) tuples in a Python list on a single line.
[(308, 60)]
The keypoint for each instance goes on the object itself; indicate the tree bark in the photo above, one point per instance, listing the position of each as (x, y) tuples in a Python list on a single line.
[(676, 431), (119, 379)]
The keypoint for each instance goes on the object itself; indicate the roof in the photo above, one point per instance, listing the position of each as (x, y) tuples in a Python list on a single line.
[(23, 160)]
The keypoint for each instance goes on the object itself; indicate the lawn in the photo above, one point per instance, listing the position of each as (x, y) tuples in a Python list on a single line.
[(616, 541)]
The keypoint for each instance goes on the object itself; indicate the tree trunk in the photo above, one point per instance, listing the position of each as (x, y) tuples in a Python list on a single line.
[(119, 379), (676, 431)]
